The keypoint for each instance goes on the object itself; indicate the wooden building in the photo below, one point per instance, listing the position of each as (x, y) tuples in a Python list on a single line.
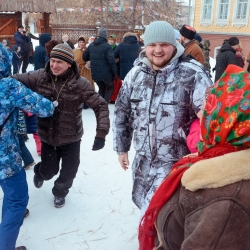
[(217, 20), (11, 15)]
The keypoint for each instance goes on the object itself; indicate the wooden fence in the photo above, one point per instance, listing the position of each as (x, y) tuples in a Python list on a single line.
[(74, 31)]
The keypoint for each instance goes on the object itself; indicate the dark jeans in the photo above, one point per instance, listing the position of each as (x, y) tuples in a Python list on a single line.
[(16, 68), (106, 89), (25, 153), (15, 200), (49, 166), (25, 62)]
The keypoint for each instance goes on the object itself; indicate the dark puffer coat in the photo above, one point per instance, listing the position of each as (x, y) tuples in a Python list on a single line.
[(211, 210), (22, 41), (40, 56), (65, 126), (102, 59), (225, 57), (127, 52)]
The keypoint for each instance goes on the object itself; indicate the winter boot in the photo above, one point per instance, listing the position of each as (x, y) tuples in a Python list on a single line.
[(27, 212), (21, 248), (29, 165), (37, 181), (59, 201)]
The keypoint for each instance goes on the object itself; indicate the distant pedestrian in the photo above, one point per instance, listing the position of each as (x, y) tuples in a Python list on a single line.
[(78, 52), (40, 55), (16, 60), (22, 40), (226, 56), (103, 67), (187, 34), (127, 52), (65, 40)]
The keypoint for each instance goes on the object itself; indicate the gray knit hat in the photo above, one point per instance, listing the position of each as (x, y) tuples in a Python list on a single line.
[(159, 31), (103, 33), (64, 52)]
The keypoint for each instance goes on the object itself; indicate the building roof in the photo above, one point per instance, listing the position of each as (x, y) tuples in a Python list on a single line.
[(39, 6)]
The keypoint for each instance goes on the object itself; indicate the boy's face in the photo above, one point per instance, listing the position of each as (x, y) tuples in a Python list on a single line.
[(111, 41)]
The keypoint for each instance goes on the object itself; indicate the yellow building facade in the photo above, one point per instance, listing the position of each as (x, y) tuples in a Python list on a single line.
[(217, 20)]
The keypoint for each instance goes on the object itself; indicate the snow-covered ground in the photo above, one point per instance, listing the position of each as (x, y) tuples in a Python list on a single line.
[(98, 213)]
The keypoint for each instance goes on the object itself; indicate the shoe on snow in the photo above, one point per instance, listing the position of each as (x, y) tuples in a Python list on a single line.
[(21, 248), (27, 212), (59, 201), (37, 182)]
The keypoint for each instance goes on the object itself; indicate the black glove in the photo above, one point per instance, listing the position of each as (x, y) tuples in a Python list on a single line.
[(98, 143)]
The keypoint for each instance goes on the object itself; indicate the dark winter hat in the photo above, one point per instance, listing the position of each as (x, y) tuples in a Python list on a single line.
[(64, 52), (159, 31), (81, 39), (188, 32), (102, 32), (198, 37), (14, 48), (233, 41)]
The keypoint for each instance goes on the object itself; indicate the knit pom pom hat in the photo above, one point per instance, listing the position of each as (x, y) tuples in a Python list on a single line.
[(63, 52), (159, 31)]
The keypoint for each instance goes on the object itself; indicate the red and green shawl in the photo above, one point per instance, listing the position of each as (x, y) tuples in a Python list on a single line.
[(225, 128)]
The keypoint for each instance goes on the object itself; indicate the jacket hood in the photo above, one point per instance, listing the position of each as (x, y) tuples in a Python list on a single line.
[(44, 38), (98, 40), (130, 34), (143, 59), (226, 46), (130, 38)]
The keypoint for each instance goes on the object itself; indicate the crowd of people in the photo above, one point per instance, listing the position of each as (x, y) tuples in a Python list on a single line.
[(189, 133)]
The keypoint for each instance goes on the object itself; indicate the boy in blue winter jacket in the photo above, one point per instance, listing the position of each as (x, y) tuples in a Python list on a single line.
[(16, 60), (14, 96)]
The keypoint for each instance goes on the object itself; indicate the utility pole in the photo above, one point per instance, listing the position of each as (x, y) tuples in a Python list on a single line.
[(189, 6)]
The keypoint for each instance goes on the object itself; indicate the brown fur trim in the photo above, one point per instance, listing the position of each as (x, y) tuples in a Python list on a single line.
[(218, 172), (130, 34)]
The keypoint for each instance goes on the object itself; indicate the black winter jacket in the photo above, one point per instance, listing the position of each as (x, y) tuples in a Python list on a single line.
[(22, 41), (40, 56), (127, 52), (65, 126), (225, 57), (102, 60)]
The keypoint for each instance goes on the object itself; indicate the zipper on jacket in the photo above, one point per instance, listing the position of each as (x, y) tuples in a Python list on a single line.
[(149, 109)]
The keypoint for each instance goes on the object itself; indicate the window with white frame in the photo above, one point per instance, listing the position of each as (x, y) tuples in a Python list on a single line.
[(206, 15), (223, 9), (207, 9), (241, 10), (240, 15)]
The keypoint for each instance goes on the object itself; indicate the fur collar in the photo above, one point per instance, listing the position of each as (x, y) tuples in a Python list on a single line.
[(130, 34), (218, 172)]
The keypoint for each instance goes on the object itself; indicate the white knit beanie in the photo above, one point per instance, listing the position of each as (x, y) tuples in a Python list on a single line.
[(159, 31)]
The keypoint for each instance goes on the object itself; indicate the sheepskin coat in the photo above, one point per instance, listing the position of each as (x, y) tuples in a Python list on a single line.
[(211, 209)]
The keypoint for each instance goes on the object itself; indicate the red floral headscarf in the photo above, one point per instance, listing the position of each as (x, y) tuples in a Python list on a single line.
[(225, 128)]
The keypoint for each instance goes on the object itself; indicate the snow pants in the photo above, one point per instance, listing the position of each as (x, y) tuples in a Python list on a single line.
[(69, 155), (15, 201)]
